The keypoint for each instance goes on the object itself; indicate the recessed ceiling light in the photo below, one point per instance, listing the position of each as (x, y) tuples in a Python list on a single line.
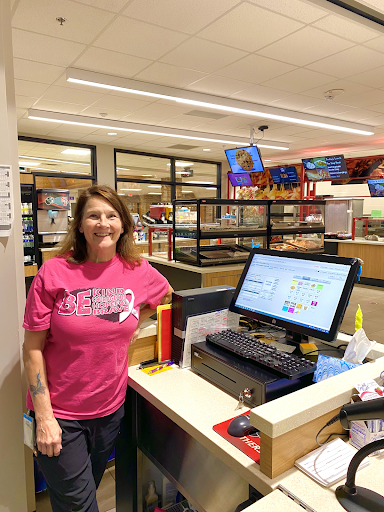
[(206, 149), (146, 174), (29, 164), (154, 193), (112, 133), (72, 151), (213, 102), (154, 186)]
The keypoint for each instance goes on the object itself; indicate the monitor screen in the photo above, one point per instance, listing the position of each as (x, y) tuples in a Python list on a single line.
[(284, 174), (245, 159), (326, 168), (376, 188), (240, 180), (304, 293)]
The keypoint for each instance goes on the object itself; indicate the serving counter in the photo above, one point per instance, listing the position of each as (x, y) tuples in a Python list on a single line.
[(170, 417), (370, 251)]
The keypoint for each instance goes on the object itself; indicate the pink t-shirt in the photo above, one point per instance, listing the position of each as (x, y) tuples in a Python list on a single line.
[(91, 311)]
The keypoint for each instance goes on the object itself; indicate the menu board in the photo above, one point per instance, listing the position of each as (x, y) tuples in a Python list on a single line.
[(284, 174), (376, 187), (240, 180), (326, 168), (53, 199), (244, 159)]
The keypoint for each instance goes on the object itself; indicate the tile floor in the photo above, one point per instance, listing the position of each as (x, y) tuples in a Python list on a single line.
[(371, 300)]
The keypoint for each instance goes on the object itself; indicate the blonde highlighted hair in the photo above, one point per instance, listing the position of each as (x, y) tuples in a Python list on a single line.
[(74, 246)]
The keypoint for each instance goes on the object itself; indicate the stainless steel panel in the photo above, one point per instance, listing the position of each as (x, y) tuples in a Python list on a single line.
[(203, 478)]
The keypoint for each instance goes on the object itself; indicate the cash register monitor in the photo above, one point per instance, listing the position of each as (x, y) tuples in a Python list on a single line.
[(307, 294)]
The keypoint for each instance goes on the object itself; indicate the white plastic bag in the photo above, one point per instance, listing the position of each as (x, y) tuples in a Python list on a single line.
[(358, 347)]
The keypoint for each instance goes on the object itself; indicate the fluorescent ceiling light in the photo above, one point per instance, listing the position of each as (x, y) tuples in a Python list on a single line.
[(71, 151), (52, 160), (122, 169), (146, 175), (154, 193), (206, 149), (29, 164), (182, 164), (202, 182), (112, 133), (131, 189), (212, 102), (154, 186), (187, 191), (61, 118)]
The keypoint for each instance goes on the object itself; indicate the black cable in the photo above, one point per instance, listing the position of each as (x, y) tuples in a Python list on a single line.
[(330, 422)]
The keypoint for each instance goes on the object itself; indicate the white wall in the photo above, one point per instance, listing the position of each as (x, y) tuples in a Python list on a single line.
[(13, 494), (357, 190)]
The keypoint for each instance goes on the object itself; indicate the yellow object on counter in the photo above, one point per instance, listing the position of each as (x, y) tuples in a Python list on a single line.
[(308, 347), (358, 319), (149, 371)]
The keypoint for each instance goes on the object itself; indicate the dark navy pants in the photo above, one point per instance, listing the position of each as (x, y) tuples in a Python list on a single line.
[(73, 477)]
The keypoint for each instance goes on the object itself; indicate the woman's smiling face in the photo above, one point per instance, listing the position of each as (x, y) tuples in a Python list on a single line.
[(102, 227)]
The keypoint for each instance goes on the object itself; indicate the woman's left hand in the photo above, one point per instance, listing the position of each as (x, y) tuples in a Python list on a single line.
[(135, 335)]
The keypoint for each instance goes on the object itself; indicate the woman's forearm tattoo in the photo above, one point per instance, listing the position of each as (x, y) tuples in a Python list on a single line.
[(39, 389)]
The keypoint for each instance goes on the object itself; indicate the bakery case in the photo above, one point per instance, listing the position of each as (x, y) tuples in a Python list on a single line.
[(221, 231)]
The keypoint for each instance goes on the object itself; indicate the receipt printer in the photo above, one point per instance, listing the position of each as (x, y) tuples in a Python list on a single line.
[(195, 302)]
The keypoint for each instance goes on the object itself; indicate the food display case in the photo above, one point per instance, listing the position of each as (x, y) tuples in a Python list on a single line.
[(218, 231), (368, 228), (297, 225)]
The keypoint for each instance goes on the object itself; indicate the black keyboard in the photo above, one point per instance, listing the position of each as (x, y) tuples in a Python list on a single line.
[(286, 365)]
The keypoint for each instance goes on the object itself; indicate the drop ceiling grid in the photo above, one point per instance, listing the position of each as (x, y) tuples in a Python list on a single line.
[(205, 79)]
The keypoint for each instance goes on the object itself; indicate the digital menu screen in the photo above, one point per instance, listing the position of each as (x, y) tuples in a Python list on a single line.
[(53, 199), (240, 180), (376, 188), (284, 174), (245, 159), (326, 168)]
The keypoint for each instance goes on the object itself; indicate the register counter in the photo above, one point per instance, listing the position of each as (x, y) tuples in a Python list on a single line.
[(179, 409), (370, 251)]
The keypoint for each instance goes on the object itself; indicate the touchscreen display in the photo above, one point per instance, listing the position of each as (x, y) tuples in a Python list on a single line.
[(326, 168)]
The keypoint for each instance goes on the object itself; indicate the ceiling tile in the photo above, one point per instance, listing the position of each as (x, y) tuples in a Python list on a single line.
[(111, 62), (295, 102), (25, 102), (298, 80), (348, 86), (342, 27), (137, 38), (166, 110), (376, 108), (376, 44), (36, 71), (108, 5), (114, 115), (373, 121), (202, 55), (327, 108), (355, 115), (166, 74), (26, 88), (255, 69), (296, 9), (372, 79), (349, 62), (83, 25), (363, 99), (58, 106), (126, 103), (20, 112), (182, 16), (30, 126), (248, 27), (260, 94), (69, 95), (218, 85), (74, 128), (296, 48), (46, 49)]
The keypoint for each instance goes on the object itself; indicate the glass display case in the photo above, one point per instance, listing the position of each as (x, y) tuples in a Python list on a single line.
[(297, 225), (218, 231), (368, 228)]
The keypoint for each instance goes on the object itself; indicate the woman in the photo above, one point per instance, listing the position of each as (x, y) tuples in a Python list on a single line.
[(83, 309)]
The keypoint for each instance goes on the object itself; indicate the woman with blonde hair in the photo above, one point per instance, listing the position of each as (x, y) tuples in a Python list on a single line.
[(83, 309)]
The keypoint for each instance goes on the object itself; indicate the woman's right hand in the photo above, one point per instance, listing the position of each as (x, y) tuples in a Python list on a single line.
[(48, 437)]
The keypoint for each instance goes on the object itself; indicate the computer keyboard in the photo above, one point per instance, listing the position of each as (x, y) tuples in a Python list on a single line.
[(286, 365)]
